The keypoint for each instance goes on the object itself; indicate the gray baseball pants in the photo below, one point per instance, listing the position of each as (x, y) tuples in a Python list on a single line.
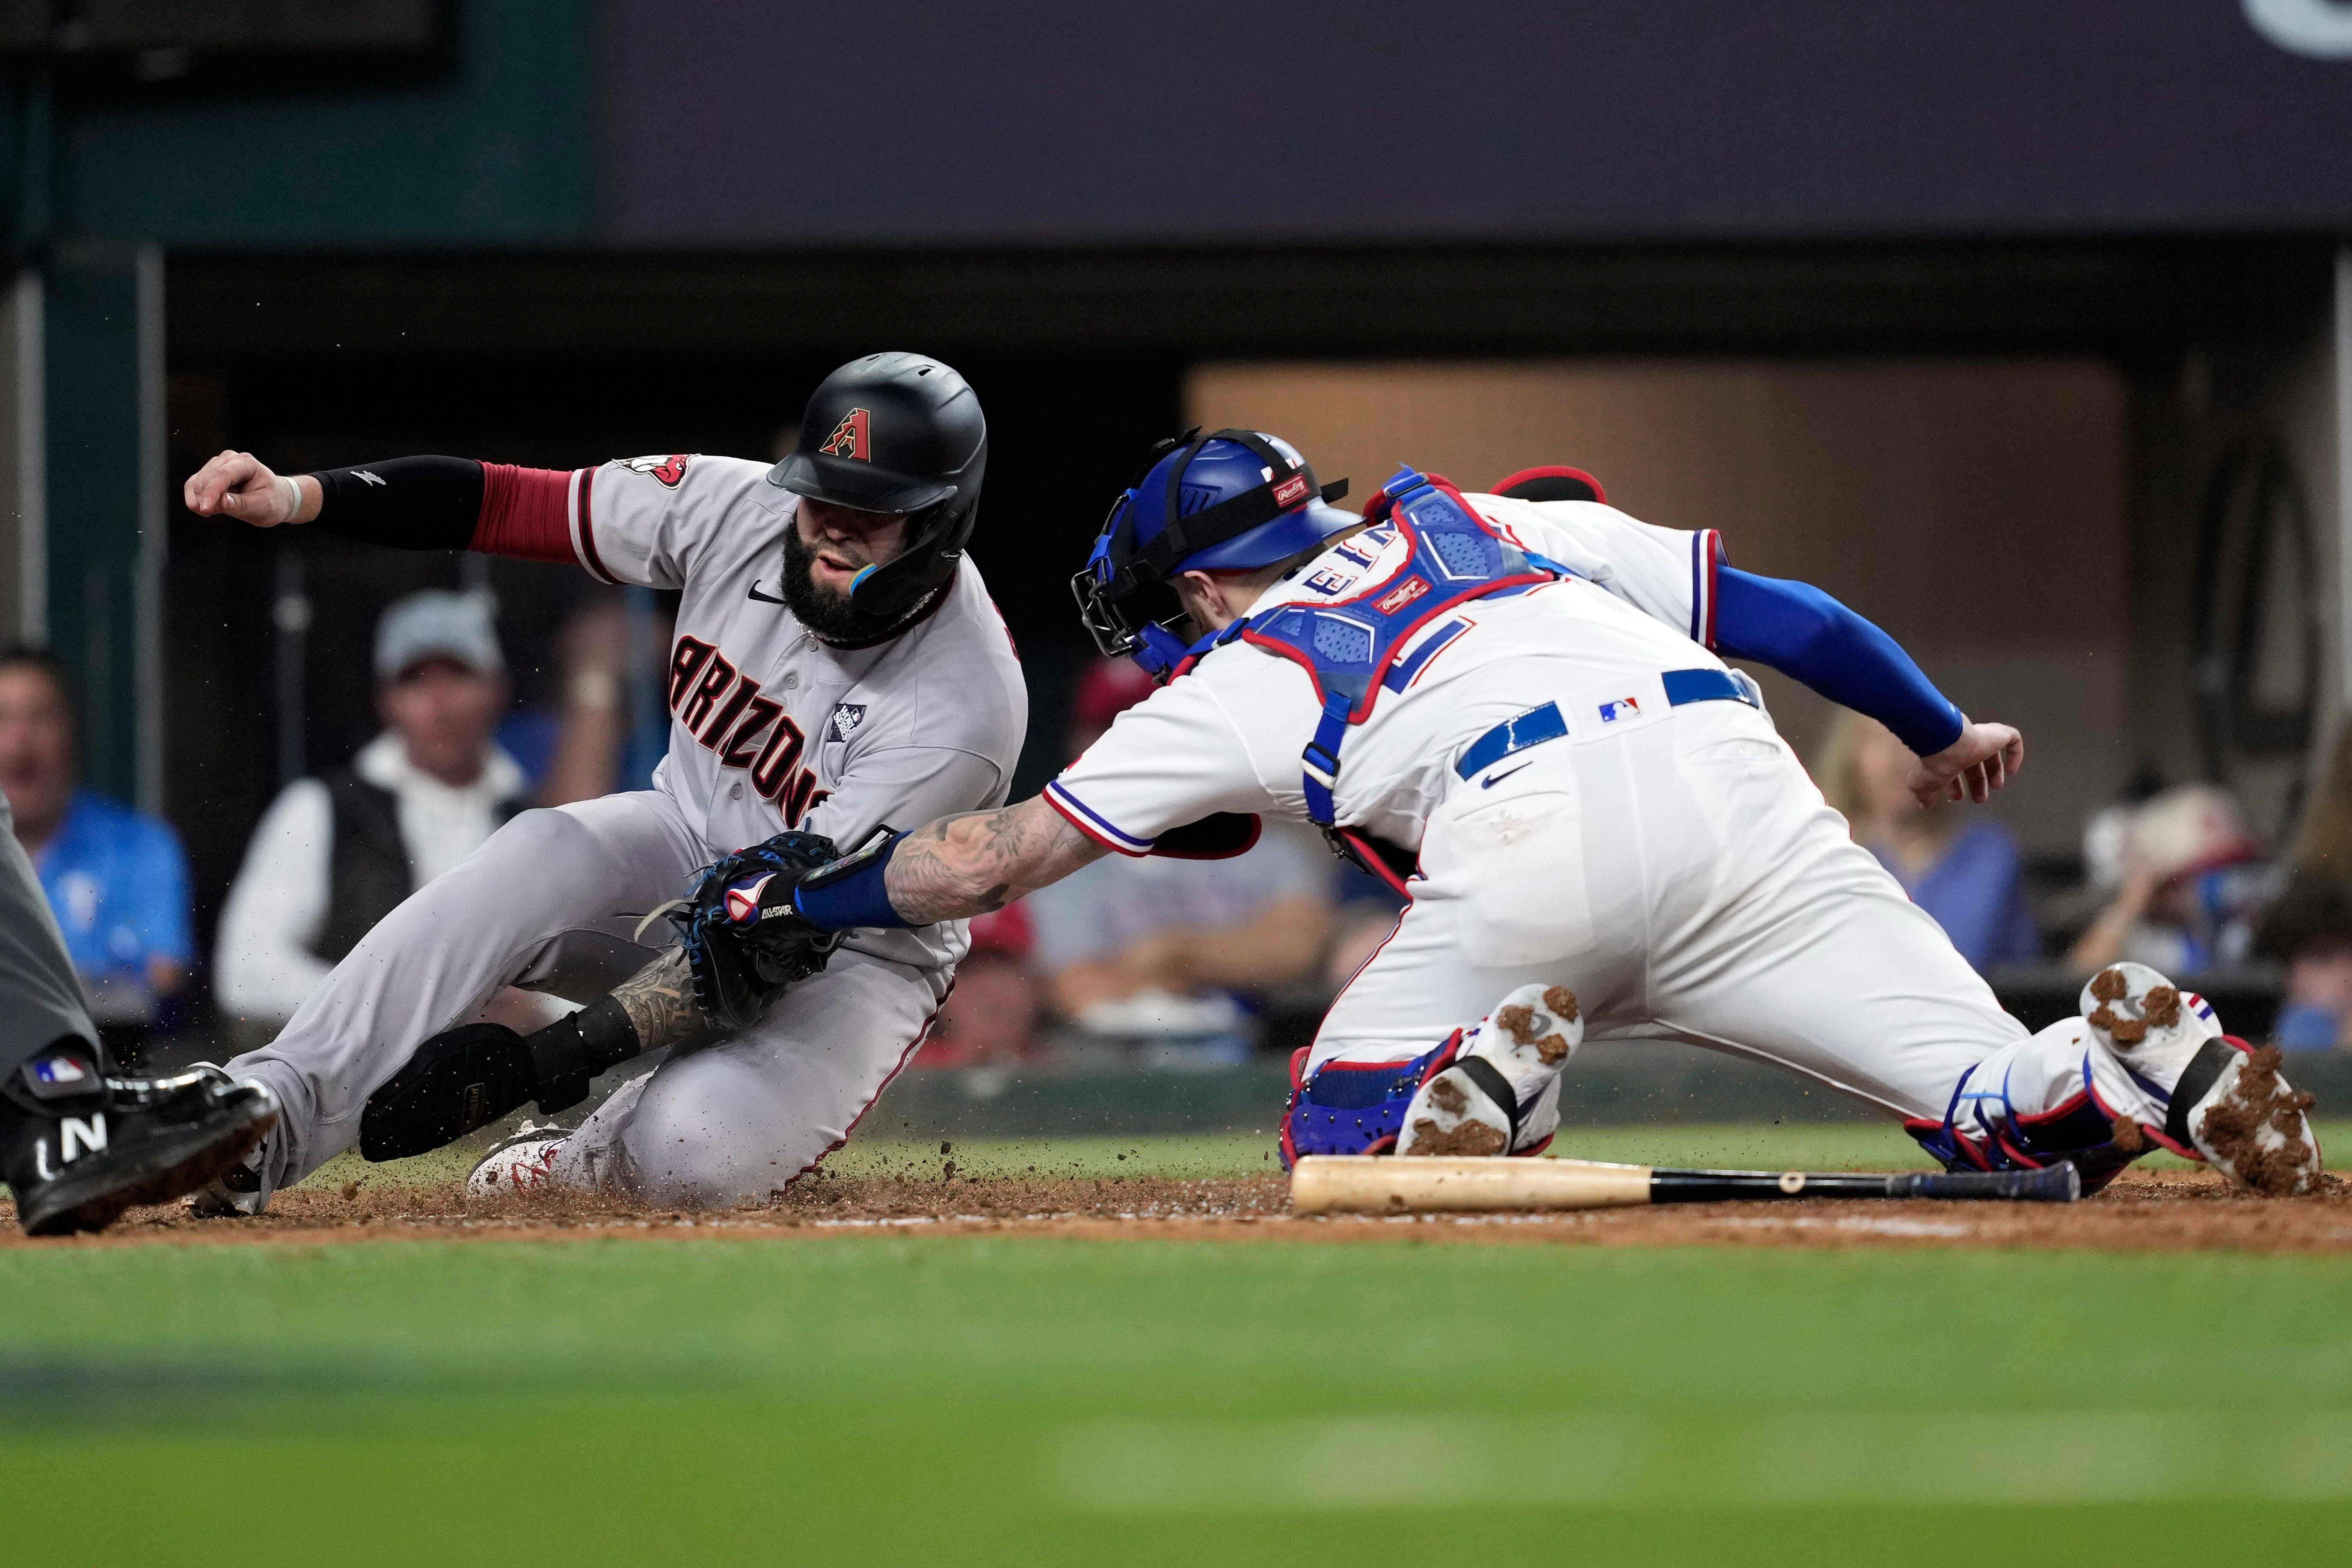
[(550, 903), (40, 996)]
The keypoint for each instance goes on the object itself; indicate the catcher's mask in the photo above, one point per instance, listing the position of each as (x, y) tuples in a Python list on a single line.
[(1229, 500)]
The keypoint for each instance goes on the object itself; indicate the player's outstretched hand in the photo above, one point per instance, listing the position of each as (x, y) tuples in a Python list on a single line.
[(240, 484), (1984, 758)]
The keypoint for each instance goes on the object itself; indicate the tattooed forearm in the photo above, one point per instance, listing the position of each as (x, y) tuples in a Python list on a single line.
[(659, 1001), (963, 866)]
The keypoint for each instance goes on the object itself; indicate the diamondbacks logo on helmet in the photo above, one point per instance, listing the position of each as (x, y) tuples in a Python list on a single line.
[(669, 470), (851, 437)]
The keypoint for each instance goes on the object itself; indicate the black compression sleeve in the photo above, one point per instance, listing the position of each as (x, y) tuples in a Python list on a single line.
[(409, 503)]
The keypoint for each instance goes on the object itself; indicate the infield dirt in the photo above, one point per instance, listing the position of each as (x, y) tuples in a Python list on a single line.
[(2189, 1211)]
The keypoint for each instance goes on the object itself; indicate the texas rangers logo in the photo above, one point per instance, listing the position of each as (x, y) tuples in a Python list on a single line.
[(669, 470), (1624, 708), (852, 437), (846, 718)]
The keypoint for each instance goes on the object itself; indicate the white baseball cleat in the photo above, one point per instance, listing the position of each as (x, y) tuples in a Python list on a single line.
[(2228, 1103), (523, 1162), (1485, 1100)]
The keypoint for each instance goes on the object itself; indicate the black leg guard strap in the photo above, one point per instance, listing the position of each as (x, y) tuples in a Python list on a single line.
[(2196, 1082), (569, 1052), (1489, 1077)]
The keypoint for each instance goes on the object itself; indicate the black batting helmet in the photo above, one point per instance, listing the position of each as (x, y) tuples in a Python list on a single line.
[(896, 432)]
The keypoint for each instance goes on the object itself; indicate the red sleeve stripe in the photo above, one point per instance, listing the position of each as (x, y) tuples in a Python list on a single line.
[(584, 526), (522, 513), (1706, 556)]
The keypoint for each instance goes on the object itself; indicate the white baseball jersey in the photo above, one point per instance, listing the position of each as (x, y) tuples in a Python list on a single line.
[(1227, 735), (771, 728)]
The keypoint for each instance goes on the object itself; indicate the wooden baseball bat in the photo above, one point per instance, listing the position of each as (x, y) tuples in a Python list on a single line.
[(1354, 1183)]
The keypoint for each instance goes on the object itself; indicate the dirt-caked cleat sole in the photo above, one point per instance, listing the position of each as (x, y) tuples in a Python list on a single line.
[(174, 1137), (2252, 1128), (1454, 1115), (2226, 1103), (1475, 1106)]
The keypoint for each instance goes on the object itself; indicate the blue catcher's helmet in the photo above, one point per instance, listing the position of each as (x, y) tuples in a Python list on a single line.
[(1232, 501)]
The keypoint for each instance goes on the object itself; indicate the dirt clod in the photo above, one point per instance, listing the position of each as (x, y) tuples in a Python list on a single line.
[(1474, 1139), (2109, 985), (2232, 1126), (2127, 1135), (1518, 1022), (1562, 1001), (1447, 1096), (2162, 1008)]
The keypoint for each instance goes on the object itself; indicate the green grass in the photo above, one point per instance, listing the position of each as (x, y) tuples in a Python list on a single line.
[(1033, 1400)]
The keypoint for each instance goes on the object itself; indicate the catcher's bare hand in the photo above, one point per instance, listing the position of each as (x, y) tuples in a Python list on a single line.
[(240, 484), (1984, 758)]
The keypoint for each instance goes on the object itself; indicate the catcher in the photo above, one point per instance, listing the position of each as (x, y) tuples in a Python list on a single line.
[(837, 664)]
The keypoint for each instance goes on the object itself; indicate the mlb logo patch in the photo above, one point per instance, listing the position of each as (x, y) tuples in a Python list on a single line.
[(1624, 708), (58, 1070), (743, 900), (846, 718)]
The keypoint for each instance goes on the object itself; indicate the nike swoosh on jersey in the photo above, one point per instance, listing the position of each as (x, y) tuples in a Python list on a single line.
[(763, 598), (1490, 781)]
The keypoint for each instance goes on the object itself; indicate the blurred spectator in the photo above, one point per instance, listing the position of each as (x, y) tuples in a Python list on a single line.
[(334, 855), (2193, 885), (2310, 928), (573, 748), (1962, 868), (989, 1017), (1148, 945), (115, 877)]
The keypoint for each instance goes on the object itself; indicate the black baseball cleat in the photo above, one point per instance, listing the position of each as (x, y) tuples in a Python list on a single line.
[(78, 1146)]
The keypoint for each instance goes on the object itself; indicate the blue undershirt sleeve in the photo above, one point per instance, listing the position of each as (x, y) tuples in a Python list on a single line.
[(1804, 634)]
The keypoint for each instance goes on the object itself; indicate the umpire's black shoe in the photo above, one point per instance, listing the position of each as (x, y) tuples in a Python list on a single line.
[(78, 1147)]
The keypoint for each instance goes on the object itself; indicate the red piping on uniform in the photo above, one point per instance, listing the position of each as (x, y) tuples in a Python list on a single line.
[(1714, 569), (1550, 471), (524, 513), (904, 1056)]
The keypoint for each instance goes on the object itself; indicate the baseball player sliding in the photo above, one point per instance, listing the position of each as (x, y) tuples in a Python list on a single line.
[(1513, 705), (837, 665)]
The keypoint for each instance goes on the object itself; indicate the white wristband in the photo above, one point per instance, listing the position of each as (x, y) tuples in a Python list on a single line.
[(294, 494)]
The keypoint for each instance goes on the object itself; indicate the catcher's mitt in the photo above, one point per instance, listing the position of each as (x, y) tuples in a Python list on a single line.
[(743, 940)]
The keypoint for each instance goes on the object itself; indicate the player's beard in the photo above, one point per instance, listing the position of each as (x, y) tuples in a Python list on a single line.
[(829, 615)]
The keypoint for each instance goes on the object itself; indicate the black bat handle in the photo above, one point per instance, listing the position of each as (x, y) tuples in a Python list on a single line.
[(2060, 1183)]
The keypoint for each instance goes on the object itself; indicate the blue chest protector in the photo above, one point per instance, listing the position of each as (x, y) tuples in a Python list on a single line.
[(1353, 648)]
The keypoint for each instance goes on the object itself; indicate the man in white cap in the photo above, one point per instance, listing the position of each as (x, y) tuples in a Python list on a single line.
[(335, 854)]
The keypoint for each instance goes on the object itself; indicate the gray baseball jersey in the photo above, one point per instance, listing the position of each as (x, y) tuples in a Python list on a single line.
[(771, 728)]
